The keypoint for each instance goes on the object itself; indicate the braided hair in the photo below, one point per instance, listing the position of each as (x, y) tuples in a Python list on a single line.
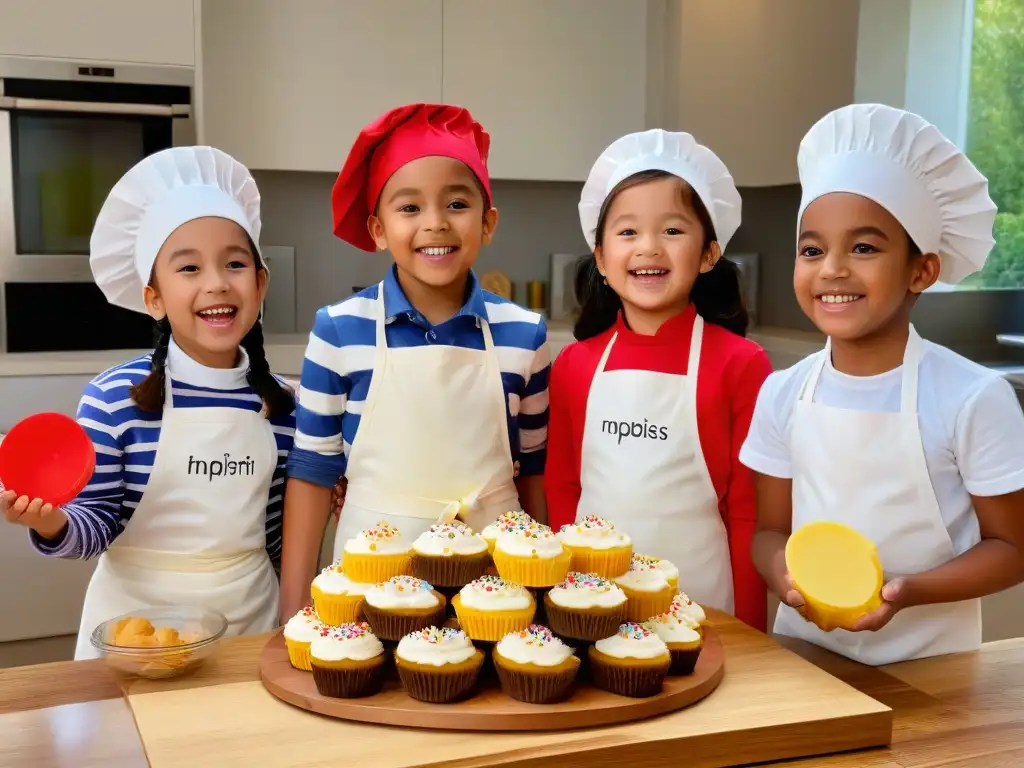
[(149, 393)]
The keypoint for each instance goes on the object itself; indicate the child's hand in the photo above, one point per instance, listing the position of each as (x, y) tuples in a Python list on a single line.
[(895, 597), (338, 497), (44, 519), (791, 597)]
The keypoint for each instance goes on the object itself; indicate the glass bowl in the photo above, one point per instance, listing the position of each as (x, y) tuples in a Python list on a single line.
[(200, 629)]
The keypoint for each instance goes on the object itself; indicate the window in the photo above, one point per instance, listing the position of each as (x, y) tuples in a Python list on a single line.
[(995, 133)]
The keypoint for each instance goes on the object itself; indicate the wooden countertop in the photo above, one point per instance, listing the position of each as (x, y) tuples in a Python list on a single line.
[(949, 712)]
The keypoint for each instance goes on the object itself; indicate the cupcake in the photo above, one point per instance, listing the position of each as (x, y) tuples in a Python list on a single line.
[(449, 555), (347, 661), (585, 607), (376, 554), (299, 632), (633, 662), (685, 606), (505, 522), (535, 666), (438, 664), (488, 608), (531, 555), (337, 599), (597, 547), (647, 588), (683, 637), (666, 567), (401, 605)]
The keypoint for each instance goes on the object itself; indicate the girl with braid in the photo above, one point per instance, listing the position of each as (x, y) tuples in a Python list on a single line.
[(185, 504)]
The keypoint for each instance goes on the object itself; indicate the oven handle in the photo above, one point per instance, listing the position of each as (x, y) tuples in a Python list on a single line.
[(13, 103)]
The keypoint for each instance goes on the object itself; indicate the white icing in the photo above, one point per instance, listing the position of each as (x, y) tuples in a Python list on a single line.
[(651, 580), (533, 541), (674, 628), (401, 592), (336, 646), (524, 648), (586, 590), (504, 521), (593, 533), (683, 605), (669, 569), (303, 627), (446, 539), (436, 647), (382, 539), (331, 581), (621, 646), (489, 593)]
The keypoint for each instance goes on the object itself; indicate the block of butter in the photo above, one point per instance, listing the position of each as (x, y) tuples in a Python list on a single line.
[(838, 572)]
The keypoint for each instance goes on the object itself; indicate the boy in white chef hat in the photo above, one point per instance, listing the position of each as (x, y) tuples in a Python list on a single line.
[(901, 439), (184, 507)]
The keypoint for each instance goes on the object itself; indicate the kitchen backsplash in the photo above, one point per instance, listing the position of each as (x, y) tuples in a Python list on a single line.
[(539, 218)]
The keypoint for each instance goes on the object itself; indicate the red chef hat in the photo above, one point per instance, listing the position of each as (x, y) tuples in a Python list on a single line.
[(398, 137)]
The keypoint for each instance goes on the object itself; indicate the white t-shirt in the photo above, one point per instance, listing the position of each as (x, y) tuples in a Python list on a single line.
[(971, 424)]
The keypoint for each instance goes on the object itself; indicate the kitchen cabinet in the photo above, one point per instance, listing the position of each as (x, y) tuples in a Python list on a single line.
[(136, 31), (553, 82), (289, 88)]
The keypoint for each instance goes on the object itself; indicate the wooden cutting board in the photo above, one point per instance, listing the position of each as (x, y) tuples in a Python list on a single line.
[(771, 705)]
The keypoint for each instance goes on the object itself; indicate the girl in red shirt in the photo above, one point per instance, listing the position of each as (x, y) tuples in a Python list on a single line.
[(650, 406)]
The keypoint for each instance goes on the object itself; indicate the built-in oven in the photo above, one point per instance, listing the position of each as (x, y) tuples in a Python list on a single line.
[(68, 132)]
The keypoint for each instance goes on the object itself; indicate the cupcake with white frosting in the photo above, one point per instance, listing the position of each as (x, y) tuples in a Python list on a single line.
[(646, 585), (682, 604), (401, 605), (597, 546), (449, 555), (347, 661), (531, 555), (376, 554), (660, 564), (633, 662), (535, 666), (300, 630), (506, 521), (683, 637), (488, 608), (438, 664), (585, 606), (337, 598)]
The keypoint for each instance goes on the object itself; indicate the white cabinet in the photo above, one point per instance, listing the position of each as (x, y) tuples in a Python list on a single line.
[(553, 82), (287, 86), (142, 31)]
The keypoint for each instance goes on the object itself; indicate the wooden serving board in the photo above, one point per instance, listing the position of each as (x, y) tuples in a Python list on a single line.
[(490, 709)]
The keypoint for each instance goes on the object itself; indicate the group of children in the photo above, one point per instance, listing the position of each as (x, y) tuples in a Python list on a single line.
[(435, 399)]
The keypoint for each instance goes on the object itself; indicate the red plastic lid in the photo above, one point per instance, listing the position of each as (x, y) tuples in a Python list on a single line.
[(47, 456)]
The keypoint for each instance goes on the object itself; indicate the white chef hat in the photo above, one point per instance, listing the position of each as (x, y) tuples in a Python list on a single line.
[(905, 164), (154, 198), (675, 153)]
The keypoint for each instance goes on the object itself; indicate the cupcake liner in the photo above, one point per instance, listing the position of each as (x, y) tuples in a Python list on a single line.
[(583, 624), (440, 684), (336, 610), (638, 681), (607, 563), (373, 569), (298, 654), (642, 606), (491, 625), (349, 682), (393, 625), (684, 661), (532, 571), (453, 571), (539, 685)]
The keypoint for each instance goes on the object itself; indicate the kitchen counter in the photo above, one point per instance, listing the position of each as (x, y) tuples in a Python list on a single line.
[(949, 712)]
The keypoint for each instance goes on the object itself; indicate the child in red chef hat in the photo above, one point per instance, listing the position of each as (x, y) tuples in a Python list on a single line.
[(427, 393)]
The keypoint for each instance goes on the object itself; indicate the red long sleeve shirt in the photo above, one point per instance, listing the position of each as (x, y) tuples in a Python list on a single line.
[(731, 372)]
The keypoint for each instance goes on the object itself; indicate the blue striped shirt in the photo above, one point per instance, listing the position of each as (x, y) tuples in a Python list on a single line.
[(339, 360), (125, 439)]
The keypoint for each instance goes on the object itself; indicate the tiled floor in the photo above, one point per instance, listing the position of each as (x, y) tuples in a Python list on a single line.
[(37, 651)]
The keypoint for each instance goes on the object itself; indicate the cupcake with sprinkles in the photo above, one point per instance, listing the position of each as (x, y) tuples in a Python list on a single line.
[(438, 664), (347, 661), (300, 630), (633, 662), (682, 604), (535, 666), (646, 585), (376, 554), (505, 522), (337, 598), (401, 605), (449, 555), (530, 554), (665, 566), (585, 607), (683, 637), (488, 608), (597, 546)]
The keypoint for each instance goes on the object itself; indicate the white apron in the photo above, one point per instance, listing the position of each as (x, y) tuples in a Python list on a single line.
[(432, 440), (868, 471), (642, 467), (198, 536)]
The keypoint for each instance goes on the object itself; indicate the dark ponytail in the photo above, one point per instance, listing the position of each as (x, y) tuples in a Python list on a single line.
[(149, 393), (278, 399), (716, 294)]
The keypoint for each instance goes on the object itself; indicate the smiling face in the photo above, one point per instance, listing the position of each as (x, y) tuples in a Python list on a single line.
[(433, 218), (857, 272), (653, 241), (207, 284)]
